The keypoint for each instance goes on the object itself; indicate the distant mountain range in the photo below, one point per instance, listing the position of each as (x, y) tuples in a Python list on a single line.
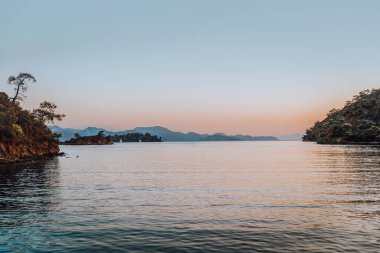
[(164, 133)]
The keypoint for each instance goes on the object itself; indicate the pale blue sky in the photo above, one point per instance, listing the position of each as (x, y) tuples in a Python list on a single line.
[(255, 67)]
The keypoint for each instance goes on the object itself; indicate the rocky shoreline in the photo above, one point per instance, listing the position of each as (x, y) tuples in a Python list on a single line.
[(14, 153)]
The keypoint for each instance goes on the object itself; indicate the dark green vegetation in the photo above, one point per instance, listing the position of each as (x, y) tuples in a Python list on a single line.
[(135, 137), (102, 139), (99, 139), (23, 133), (357, 123)]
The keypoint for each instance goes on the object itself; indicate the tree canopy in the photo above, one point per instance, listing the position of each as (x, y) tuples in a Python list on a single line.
[(357, 122), (20, 81), (46, 112), (20, 125)]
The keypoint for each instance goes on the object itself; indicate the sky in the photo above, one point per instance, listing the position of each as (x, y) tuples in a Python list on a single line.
[(253, 67)]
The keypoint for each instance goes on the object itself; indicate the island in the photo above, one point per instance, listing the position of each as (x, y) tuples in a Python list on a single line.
[(99, 139), (24, 134), (102, 139), (136, 137), (358, 122)]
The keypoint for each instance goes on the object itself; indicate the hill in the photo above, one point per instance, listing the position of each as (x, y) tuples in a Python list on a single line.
[(358, 122), (220, 137), (164, 133)]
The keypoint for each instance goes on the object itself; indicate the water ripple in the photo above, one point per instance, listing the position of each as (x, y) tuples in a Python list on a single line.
[(194, 197)]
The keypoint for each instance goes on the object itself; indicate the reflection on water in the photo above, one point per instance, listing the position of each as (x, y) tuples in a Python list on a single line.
[(28, 197), (194, 197)]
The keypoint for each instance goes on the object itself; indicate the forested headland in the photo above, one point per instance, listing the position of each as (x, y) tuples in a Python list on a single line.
[(24, 134), (358, 122)]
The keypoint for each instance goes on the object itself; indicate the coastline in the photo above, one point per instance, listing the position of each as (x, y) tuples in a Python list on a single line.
[(86, 144), (348, 143), (15, 153), (30, 159)]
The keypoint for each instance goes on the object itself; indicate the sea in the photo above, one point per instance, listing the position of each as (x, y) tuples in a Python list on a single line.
[(262, 196)]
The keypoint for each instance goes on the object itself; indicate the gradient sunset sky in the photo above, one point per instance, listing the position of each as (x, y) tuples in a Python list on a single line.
[(252, 67)]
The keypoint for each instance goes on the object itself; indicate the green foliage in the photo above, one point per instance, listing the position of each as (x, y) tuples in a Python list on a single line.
[(136, 137), (22, 126), (46, 113), (8, 119), (99, 139), (357, 122), (20, 83)]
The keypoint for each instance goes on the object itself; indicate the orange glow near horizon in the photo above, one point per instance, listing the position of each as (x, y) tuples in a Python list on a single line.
[(230, 123), (265, 117)]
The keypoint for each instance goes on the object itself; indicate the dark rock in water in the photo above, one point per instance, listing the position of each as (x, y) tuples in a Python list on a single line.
[(357, 123)]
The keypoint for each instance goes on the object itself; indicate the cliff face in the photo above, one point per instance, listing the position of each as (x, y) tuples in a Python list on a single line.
[(357, 123), (23, 135)]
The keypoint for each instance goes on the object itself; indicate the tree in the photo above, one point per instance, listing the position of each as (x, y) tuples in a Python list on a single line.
[(332, 112), (20, 81), (46, 113), (8, 119)]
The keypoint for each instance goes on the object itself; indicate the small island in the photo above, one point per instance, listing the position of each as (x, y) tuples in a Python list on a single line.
[(23, 133), (99, 139), (358, 122), (102, 139), (136, 137)]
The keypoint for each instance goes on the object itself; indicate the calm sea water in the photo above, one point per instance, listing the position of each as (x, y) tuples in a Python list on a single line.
[(194, 197)]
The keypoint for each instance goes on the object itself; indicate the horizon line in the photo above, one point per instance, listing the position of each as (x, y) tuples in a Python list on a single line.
[(187, 132)]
